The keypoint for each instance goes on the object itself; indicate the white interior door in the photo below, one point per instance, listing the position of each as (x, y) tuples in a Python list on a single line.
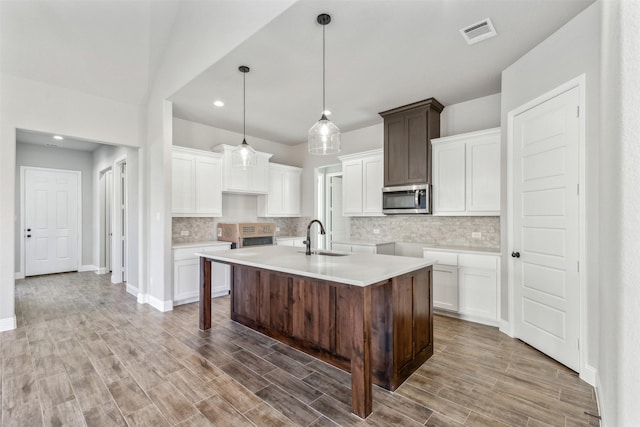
[(51, 221), (545, 235), (338, 222)]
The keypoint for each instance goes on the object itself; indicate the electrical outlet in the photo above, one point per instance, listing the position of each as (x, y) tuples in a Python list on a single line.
[(476, 235), (376, 231), (184, 233), (277, 228)]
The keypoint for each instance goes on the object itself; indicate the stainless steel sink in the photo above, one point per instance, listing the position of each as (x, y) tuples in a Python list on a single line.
[(326, 253)]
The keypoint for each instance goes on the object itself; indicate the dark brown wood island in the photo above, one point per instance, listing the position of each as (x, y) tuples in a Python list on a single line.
[(370, 315)]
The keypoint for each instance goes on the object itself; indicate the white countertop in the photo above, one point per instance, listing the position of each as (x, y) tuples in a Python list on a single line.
[(353, 269), (360, 242), (464, 249), (199, 244)]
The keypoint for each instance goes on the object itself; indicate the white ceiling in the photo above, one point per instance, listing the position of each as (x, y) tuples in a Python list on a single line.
[(380, 54), (107, 48), (46, 139)]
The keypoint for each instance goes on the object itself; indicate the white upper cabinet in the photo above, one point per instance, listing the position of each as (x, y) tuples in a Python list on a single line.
[(283, 198), (196, 185), (254, 180), (362, 181), (466, 174)]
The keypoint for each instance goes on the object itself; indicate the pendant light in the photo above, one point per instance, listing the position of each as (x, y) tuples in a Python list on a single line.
[(324, 136), (243, 156)]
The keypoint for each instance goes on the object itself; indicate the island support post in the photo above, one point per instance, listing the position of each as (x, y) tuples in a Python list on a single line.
[(205, 294)]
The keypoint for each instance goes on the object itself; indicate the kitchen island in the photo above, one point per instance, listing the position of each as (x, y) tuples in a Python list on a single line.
[(368, 314)]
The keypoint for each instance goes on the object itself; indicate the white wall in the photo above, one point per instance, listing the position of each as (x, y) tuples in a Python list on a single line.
[(31, 105), (469, 116), (573, 50), (619, 154), (58, 158), (203, 137), (202, 34)]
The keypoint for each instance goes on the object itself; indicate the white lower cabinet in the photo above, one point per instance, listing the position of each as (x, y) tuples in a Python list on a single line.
[(186, 274), (291, 241), (466, 285), (382, 248)]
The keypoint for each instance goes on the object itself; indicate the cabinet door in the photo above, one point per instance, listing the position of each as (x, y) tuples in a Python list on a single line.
[(275, 204), (182, 183), (186, 279), (238, 179), (418, 147), (445, 287), (285, 242), (483, 175), (291, 192), (478, 292), (396, 150), (220, 279), (373, 174), (259, 176), (352, 187), (208, 183), (449, 178)]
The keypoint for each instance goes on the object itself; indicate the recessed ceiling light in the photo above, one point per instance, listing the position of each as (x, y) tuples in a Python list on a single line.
[(218, 103), (58, 137), (326, 112)]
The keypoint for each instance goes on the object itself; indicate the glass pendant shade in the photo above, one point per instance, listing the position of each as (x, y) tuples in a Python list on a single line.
[(324, 137), (243, 156)]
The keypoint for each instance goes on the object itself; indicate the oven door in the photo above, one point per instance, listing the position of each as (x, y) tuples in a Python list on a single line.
[(411, 199)]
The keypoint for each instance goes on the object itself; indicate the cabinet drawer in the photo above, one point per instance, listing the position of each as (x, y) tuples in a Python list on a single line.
[(444, 258), (488, 262), (363, 249), (186, 253)]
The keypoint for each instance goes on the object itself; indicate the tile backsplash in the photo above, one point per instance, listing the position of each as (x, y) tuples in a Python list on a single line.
[(437, 230), (427, 229), (204, 229)]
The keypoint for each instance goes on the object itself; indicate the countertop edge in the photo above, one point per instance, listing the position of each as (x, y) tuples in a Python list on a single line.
[(198, 244)]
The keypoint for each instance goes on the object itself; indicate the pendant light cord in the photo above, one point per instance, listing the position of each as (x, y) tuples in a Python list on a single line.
[(323, 72), (244, 106)]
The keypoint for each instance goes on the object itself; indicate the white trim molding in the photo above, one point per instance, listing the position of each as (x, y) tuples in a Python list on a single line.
[(87, 267), (8, 323), (589, 375), (133, 290), (159, 304), (103, 270), (505, 327), (18, 275)]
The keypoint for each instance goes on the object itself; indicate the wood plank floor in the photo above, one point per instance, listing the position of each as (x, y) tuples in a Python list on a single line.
[(85, 353)]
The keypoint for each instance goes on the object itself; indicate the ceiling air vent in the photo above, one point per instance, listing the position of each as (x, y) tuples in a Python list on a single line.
[(479, 31)]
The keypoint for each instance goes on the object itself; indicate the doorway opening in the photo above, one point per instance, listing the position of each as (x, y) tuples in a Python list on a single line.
[(329, 205)]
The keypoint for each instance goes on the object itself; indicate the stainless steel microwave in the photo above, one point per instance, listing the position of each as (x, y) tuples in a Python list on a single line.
[(406, 199)]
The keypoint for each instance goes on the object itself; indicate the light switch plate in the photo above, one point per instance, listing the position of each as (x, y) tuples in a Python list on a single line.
[(184, 233), (376, 231), (476, 235)]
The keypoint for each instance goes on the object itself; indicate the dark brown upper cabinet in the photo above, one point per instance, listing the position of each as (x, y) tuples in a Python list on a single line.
[(408, 131)]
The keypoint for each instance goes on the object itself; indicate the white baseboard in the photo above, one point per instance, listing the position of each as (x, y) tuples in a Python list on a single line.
[(87, 268), (131, 289), (505, 327), (8, 323), (143, 298), (18, 275), (159, 304), (589, 375), (102, 270)]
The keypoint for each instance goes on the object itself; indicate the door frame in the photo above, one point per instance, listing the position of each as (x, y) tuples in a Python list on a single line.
[(579, 82), (119, 226), (23, 254)]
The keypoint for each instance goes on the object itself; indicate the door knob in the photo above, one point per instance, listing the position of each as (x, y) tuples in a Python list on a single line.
[(28, 235), (515, 254), (28, 229)]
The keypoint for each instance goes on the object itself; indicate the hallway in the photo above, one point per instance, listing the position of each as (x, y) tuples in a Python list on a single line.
[(85, 353)]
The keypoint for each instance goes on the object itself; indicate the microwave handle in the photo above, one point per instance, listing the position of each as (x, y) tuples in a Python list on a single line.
[(416, 198)]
